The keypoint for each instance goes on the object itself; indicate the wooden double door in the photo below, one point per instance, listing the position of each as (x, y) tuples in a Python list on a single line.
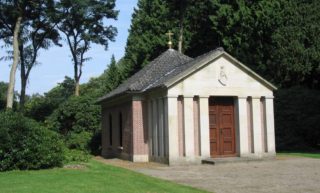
[(222, 130)]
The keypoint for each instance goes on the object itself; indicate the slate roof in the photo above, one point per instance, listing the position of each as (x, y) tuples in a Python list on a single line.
[(147, 76)]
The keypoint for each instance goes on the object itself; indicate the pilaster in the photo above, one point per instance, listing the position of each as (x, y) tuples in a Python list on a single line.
[(256, 124), (270, 125), (243, 126), (204, 127), (173, 141), (188, 127)]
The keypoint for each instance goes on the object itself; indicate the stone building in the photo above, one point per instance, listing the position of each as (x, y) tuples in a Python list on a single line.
[(179, 109)]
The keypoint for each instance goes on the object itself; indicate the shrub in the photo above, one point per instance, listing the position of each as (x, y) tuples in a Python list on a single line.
[(38, 108), (74, 155), (78, 141), (77, 119), (24, 144), (297, 116)]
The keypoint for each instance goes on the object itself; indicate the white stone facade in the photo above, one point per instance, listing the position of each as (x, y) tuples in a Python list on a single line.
[(254, 117)]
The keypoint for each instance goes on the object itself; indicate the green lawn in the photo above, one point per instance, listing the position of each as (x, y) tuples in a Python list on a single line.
[(97, 177), (299, 154)]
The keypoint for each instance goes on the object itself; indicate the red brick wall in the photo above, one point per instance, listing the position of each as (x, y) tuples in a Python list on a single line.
[(114, 150), (140, 133)]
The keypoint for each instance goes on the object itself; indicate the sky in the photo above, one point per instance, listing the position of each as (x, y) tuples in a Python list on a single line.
[(56, 62)]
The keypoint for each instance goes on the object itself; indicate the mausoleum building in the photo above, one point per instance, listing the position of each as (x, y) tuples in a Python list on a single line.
[(179, 109)]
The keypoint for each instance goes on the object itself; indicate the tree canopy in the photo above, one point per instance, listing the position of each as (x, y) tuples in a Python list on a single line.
[(83, 23)]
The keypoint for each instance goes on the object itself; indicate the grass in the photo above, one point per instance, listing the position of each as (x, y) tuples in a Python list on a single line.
[(300, 154), (95, 178)]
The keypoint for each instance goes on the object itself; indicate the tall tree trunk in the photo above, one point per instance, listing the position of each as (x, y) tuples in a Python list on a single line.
[(77, 87), (10, 94), (181, 20), (180, 37), (23, 79), (76, 79), (23, 93)]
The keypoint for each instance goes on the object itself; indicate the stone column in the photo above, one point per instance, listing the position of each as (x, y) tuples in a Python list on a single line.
[(160, 127), (188, 127), (256, 124), (270, 125), (173, 140), (243, 126), (155, 128), (204, 127)]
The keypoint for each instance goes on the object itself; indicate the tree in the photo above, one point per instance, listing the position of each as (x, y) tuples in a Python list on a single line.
[(188, 20), (277, 38), (13, 12), (39, 107), (39, 35), (112, 74), (82, 23), (16, 18), (106, 82), (147, 35), (296, 51)]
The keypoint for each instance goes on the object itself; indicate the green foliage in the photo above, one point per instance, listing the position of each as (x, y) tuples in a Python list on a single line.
[(3, 96), (24, 144), (77, 114), (40, 107), (112, 74), (88, 26), (74, 155), (79, 141), (297, 116), (77, 120), (3, 91), (147, 37), (276, 38), (296, 52), (110, 79)]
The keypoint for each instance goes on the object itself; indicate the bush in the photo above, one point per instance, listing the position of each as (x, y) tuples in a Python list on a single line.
[(297, 116), (78, 120), (74, 155), (38, 108), (24, 144), (78, 141)]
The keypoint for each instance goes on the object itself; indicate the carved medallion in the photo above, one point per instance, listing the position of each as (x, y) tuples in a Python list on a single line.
[(223, 79)]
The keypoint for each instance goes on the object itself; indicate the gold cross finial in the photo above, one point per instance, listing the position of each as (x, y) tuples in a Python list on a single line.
[(169, 34)]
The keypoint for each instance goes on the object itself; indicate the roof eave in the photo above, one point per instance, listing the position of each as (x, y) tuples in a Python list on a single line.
[(104, 99)]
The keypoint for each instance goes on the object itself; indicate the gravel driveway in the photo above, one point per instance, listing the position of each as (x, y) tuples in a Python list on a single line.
[(283, 175)]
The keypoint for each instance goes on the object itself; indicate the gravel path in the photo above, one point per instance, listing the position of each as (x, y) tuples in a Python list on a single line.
[(283, 175)]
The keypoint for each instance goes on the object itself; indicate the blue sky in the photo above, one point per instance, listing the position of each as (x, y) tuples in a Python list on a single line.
[(56, 63)]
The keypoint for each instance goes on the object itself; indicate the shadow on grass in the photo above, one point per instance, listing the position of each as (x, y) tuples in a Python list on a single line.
[(309, 154)]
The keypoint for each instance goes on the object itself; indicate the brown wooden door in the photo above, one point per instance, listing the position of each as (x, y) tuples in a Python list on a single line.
[(222, 133)]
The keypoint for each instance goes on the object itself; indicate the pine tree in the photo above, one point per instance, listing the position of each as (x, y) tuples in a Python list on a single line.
[(112, 75), (147, 37)]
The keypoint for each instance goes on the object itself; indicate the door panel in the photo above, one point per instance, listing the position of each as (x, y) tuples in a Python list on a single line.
[(222, 133)]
